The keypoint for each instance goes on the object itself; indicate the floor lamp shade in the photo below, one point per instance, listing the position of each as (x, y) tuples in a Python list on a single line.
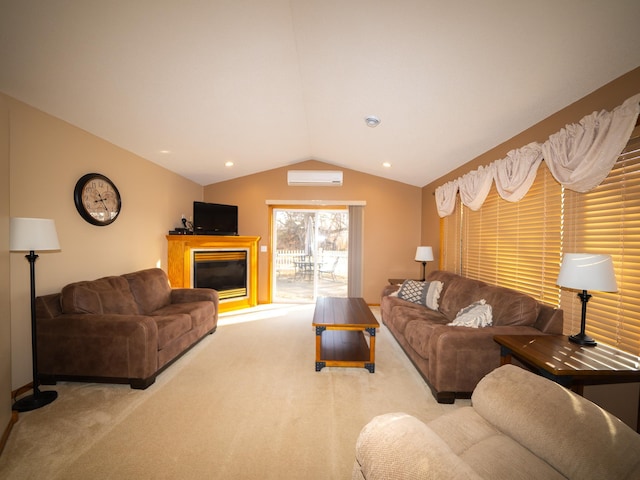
[(586, 271), (31, 235)]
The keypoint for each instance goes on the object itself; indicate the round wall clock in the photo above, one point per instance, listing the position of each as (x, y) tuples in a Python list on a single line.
[(97, 199)]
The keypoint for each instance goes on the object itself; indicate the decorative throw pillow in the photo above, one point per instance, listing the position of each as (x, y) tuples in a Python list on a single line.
[(478, 314), (424, 293)]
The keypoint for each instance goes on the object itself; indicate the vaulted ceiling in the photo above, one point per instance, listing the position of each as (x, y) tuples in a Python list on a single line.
[(192, 84)]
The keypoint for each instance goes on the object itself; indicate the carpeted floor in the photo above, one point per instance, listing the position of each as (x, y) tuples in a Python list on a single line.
[(245, 403)]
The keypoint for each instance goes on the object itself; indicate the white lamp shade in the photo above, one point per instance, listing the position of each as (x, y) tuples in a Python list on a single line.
[(587, 271), (32, 234), (424, 254)]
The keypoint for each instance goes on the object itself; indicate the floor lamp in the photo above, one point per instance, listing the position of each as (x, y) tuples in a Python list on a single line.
[(31, 235), (586, 271), (424, 255)]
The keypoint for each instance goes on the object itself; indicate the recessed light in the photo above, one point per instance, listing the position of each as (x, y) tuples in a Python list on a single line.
[(165, 152), (228, 164), (386, 164), (372, 121)]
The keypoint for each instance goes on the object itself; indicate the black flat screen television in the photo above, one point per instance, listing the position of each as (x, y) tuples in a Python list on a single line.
[(215, 219)]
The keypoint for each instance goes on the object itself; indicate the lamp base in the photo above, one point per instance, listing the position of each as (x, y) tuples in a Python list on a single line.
[(33, 402), (583, 339)]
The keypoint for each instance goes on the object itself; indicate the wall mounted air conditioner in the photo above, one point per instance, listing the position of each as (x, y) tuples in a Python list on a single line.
[(315, 178)]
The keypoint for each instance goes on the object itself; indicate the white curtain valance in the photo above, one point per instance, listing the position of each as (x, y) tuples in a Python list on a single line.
[(446, 198), (580, 156), (515, 174), (474, 187)]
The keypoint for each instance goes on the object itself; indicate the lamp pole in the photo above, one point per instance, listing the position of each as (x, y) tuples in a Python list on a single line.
[(582, 338), (38, 399)]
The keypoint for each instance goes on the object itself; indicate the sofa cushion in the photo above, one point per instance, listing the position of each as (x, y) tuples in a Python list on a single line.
[(510, 307), (418, 334), (475, 440), (478, 314), (171, 327), (150, 288), (423, 293), (457, 292), (198, 312), (108, 295), (403, 314)]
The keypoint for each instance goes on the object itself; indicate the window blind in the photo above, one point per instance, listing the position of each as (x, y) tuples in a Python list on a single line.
[(607, 220), (450, 246), (517, 245)]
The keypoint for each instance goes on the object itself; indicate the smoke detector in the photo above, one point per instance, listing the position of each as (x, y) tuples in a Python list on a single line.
[(372, 121)]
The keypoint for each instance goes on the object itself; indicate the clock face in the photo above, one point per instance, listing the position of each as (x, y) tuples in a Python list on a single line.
[(97, 199)]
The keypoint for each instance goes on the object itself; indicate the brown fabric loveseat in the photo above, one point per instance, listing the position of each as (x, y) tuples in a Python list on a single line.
[(120, 329), (453, 359)]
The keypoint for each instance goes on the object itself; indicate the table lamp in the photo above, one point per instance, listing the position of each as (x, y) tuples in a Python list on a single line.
[(424, 255), (586, 271)]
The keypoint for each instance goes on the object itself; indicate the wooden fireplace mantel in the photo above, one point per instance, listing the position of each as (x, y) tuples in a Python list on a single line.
[(179, 268)]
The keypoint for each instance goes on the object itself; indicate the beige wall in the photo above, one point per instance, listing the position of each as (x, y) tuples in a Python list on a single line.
[(391, 218), (621, 400), (47, 157), (5, 307)]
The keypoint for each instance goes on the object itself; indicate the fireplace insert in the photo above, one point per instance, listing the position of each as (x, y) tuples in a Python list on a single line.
[(222, 270)]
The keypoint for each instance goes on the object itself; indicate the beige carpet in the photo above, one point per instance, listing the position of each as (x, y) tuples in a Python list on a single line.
[(245, 403)]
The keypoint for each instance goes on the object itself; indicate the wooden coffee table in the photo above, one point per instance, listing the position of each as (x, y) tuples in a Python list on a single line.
[(340, 325)]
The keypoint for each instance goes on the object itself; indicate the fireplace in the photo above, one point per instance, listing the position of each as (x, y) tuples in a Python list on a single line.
[(223, 270), (229, 264)]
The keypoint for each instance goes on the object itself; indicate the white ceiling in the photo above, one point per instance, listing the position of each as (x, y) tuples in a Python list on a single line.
[(269, 83)]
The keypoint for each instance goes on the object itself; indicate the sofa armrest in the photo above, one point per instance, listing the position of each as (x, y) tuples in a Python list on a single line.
[(389, 289), (397, 445), (107, 345), (189, 295), (550, 320), (460, 356)]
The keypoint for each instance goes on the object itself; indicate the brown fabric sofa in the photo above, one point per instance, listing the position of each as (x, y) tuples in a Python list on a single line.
[(453, 359), (520, 426), (120, 329)]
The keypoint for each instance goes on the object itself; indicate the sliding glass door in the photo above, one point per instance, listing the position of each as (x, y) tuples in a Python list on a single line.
[(310, 254)]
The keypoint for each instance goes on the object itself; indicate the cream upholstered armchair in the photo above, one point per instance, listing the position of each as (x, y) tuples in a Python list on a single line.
[(520, 426)]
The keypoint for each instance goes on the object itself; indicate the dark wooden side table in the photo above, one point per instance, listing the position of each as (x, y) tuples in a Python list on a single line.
[(570, 364)]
